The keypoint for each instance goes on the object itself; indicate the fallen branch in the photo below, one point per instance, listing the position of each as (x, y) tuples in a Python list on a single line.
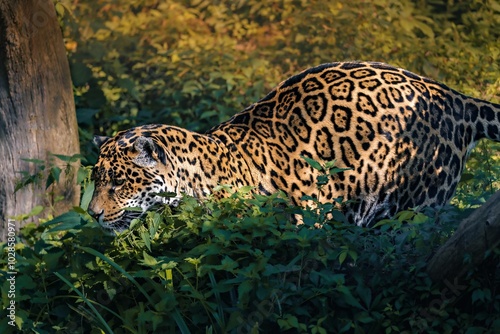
[(477, 234)]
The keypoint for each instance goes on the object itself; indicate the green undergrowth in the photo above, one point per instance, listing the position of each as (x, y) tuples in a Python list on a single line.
[(241, 265)]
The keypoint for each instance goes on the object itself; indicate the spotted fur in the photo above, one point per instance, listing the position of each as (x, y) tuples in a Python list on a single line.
[(404, 137)]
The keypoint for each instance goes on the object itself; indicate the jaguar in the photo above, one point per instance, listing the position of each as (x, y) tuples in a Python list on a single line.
[(402, 139)]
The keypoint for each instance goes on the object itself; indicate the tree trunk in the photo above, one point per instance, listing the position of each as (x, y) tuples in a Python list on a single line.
[(477, 234), (37, 112)]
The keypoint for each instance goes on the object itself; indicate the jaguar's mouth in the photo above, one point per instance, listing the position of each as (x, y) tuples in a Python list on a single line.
[(120, 224)]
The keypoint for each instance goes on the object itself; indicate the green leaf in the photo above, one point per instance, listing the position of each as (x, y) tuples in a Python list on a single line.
[(348, 297), (405, 215), (466, 177), (111, 291), (336, 170), (148, 260), (56, 173), (353, 254), (69, 158), (145, 236), (342, 257), (313, 163), (36, 211), (365, 294), (364, 318), (244, 290), (80, 74), (245, 189), (194, 261), (66, 222), (288, 322), (426, 29), (87, 195)]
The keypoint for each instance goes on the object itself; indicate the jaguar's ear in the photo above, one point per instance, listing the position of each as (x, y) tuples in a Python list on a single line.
[(99, 140), (149, 152)]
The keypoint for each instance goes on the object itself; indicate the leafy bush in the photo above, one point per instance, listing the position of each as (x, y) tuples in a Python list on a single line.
[(241, 265)]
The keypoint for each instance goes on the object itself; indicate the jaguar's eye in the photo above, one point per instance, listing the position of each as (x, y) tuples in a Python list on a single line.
[(118, 182)]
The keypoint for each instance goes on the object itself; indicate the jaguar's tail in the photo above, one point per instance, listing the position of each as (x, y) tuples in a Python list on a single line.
[(486, 118)]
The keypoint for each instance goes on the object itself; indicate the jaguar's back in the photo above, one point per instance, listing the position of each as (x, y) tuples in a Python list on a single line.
[(403, 137)]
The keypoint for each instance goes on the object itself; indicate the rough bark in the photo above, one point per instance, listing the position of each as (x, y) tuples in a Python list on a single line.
[(37, 112), (477, 234)]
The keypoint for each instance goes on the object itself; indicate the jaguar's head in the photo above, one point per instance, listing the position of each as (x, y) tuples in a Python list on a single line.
[(131, 172)]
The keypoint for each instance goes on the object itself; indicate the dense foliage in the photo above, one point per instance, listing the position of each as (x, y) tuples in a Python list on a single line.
[(240, 264)]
